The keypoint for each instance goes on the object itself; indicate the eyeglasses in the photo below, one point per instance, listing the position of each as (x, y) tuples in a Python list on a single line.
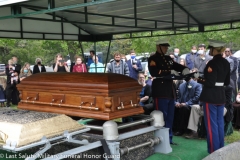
[(227, 51)]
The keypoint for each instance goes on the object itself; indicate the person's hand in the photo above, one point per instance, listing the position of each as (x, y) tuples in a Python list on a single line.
[(134, 66), (22, 78), (194, 70), (183, 104), (238, 99), (177, 105), (172, 56)]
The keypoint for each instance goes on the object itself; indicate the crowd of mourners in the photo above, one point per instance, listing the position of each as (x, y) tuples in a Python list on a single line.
[(15, 73), (188, 114)]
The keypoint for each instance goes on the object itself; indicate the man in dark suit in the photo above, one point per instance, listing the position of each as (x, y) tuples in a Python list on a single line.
[(11, 90), (213, 98), (163, 91), (233, 76), (134, 65), (189, 93)]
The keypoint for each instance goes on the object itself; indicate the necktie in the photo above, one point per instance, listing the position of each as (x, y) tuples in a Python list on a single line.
[(186, 93)]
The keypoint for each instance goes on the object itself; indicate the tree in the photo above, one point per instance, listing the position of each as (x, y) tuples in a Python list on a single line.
[(6, 45)]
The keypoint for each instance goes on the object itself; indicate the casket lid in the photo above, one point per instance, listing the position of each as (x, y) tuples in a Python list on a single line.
[(105, 81)]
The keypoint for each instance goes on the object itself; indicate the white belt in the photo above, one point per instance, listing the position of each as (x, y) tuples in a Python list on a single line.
[(219, 84)]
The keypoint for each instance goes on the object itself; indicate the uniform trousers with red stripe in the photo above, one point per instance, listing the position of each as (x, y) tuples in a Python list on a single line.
[(166, 106), (214, 123)]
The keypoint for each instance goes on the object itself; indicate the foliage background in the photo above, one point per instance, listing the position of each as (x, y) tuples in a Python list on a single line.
[(29, 50)]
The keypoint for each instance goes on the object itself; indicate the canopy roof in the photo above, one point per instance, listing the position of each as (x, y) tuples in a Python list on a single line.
[(93, 20)]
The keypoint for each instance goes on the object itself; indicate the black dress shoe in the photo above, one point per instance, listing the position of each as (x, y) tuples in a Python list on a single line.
[(193, 135), (178, 134), (172, 143)]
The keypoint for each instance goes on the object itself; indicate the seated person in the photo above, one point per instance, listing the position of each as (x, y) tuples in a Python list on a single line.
[(197, 113), (145, 95), (176, 84), (148, 76), (188, 93), (236, 112)]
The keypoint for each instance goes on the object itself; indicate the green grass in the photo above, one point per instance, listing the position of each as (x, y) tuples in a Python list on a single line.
[(233, 137), (187, 149), (14, 106), (191, 149)]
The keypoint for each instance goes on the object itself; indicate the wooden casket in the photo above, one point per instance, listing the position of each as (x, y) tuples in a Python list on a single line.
[(90, 95)]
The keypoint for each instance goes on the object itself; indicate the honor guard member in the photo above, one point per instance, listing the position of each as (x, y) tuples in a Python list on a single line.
[(163, 90), (216, 76)]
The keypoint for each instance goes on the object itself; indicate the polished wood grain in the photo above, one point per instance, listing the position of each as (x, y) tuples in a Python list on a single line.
[(90, 95)]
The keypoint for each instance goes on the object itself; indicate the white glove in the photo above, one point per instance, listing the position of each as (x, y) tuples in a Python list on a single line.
[(174, 72), (196, 75), (185, 71)]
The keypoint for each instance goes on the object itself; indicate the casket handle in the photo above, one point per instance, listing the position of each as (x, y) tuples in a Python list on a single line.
[(90, 107), (28, 99), (52, 102), (34, 99), (61, 101), (131, 103), (122, 106), (81, 105)]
